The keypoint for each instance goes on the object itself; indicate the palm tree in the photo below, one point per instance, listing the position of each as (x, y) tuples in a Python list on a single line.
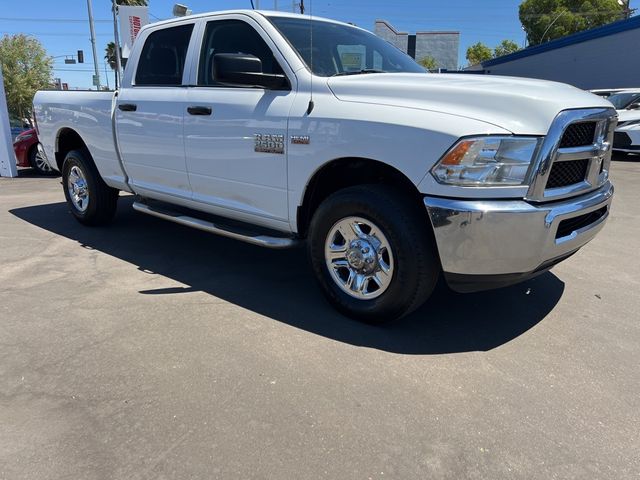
[(133, 3), (110, 55)]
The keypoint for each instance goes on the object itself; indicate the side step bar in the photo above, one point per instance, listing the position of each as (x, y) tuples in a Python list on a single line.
[(258, 239)]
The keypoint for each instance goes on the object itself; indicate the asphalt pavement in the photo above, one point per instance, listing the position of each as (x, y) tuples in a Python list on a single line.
[(147, 350)]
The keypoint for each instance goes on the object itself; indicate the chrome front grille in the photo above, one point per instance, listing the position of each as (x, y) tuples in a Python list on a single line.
[(575, 155), (564, 174), (579, 134)]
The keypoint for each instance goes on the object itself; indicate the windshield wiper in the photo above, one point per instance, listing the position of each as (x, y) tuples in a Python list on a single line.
[(358, 72)]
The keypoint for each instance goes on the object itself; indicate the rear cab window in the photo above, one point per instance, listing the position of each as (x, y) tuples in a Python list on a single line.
[(164, 56)]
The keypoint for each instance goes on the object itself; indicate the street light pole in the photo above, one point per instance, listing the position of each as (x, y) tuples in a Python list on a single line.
[(93, 45), (626, 9)]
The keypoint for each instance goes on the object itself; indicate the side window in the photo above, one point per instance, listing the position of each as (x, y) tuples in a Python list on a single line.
[(163, 56), (232, 36)]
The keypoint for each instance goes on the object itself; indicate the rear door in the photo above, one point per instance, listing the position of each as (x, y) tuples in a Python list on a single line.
[(228, 129), (149, 115)]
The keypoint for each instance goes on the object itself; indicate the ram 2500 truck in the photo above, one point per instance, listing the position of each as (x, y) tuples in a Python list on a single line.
[(274, 128)]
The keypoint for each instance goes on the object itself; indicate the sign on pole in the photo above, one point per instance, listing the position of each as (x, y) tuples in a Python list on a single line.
[(8, 166), (132, 19)]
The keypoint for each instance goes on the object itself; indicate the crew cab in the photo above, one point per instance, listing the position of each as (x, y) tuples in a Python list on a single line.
[(276, 128)]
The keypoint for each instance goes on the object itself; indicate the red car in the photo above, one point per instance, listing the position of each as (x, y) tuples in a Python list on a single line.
[(29, 152)]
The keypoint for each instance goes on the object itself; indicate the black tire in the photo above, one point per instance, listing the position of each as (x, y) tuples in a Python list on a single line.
[(102, 199), (33, 161), (407, 229)]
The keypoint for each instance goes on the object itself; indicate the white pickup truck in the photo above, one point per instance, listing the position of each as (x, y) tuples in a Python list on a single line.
[(274, 128)]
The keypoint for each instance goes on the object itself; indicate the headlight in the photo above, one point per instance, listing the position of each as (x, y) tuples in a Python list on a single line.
[(487, 161)]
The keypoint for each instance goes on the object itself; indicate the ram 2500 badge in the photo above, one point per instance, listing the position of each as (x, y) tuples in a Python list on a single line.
[(239, 123)]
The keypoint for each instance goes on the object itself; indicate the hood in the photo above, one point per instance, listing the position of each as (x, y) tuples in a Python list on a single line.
[(520, 105)]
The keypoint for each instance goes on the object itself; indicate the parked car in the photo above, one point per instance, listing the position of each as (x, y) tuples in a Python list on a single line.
[(30, 153), (627, 103), (627, 138), (607, 92), (227, 123)]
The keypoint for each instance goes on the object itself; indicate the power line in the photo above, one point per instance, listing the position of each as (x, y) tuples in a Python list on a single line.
[(57, 20), (57, 34)]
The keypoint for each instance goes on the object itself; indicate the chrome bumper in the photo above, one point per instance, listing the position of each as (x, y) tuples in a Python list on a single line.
[(490, 243)]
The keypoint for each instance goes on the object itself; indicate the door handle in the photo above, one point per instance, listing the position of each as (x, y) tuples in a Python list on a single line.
[(128, 107), (199, 110)]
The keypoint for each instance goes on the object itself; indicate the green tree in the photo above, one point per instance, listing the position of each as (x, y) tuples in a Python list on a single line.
[(26, 68), (110, 55), (505, 48), (478, 53), (545, 20), (428, 62)]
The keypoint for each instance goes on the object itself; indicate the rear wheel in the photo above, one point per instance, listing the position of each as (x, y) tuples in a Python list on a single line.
[(38, 162), (373, 253), (90, 200)]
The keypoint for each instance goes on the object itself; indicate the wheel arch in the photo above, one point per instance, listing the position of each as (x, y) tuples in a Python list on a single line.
[(67, 139), (348, 172)]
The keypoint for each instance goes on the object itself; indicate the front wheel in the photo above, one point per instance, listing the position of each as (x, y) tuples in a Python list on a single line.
[(91, 201), (373, 253)]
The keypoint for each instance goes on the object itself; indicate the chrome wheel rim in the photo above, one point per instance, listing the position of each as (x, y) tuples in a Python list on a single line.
[(77, 188), (359, 258), (41, 163)]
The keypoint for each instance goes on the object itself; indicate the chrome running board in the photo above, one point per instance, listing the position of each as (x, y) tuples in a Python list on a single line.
[(208, 226)]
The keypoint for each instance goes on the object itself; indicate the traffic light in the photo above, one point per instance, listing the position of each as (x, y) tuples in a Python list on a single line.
[(80, 56)]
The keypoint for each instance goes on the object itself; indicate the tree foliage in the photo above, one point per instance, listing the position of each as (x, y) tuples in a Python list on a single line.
[(110, 55), (133, 3), (545, 20), (428, 62), (26, 68), (505, 48), (478, 53)]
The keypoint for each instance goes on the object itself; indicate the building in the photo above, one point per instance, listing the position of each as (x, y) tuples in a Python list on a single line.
[(604, 57), (442, 46)]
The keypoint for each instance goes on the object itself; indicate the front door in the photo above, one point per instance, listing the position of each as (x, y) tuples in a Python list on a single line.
[(235, 137)]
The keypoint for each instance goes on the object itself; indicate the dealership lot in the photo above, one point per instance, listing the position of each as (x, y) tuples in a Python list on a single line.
[(149, 350)]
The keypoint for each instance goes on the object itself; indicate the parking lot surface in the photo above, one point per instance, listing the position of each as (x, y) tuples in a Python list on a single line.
[(149, 350)]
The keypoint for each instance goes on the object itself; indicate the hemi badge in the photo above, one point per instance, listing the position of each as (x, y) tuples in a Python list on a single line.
[(300, 139)]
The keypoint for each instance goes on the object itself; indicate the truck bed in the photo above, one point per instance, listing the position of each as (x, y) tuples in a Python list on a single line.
[(90, 115)]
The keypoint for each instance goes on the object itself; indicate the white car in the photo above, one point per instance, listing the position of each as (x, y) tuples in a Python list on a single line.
[(627, 135), (627, 138), (237, 124)]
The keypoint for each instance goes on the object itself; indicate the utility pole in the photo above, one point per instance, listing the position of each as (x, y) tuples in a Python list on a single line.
[(96, 77), (116, 41)]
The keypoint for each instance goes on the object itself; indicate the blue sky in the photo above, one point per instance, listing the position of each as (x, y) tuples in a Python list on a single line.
[(63, 28)]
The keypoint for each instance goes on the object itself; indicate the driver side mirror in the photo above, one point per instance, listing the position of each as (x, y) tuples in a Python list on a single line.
[(634, 106), (242, 69)]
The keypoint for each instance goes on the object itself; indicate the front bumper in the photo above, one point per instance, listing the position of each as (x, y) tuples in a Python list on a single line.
[(491, 243)]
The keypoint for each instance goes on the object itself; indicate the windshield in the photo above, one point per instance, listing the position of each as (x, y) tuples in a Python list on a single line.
[(623, 100), (342, 50)]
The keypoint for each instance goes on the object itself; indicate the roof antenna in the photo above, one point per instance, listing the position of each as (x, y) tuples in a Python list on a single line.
[(311, 105)]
